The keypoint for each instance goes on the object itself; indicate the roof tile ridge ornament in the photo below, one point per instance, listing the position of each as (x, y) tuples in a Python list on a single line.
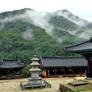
[(34, 52), (19, 61)]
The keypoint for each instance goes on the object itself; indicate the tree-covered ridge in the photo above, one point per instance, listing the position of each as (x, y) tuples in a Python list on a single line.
[(13, 13), (19, 38)]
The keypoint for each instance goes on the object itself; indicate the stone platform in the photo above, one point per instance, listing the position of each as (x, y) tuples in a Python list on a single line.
[(33, 84), (75, 85)]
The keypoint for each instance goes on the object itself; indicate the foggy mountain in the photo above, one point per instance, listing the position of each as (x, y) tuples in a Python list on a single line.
[(22, 31), (70, 16)]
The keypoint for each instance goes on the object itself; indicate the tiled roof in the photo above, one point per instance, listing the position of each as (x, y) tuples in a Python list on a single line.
[(64, 62), (82, 47), (11, 64)]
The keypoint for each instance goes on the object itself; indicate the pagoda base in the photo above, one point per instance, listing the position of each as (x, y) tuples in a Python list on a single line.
[(34, 83)]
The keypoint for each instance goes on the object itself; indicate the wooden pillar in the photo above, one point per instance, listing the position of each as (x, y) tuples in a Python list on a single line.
[(80, 71), (6, 73), (89, 74), (88, 66), (64, 72), (41, 66), (0, 74), (89, 70), (55, 72), (72, 71), (47, 72)]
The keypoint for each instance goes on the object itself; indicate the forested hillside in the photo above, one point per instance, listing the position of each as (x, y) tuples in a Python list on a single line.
[(22, 31)]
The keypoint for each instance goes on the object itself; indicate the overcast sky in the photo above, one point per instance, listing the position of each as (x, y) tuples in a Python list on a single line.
[(82, 8)]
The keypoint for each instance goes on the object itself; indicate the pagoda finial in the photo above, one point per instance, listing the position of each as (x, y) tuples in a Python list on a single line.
[(35, 52)]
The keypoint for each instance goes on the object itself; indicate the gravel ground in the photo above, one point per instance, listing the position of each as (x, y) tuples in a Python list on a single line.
[(14, 85)]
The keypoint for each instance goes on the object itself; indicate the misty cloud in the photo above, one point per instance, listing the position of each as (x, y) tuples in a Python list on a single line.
[(72, 18), (86, 34), (41, 19), (12, 18), (28, 33), (2, 25)]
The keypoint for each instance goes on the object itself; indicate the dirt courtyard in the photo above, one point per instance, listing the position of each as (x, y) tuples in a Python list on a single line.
[(14, 85)]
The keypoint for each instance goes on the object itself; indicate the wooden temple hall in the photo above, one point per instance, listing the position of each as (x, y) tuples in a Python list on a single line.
[(9, 69), (63, 66), (85, 49)]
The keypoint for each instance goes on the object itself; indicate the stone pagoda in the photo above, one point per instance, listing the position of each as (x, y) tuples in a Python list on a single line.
[(35, 81)]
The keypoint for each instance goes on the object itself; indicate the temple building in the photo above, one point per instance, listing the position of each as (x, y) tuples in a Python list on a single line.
[(63, 66), (9, 69), (85, 49)]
